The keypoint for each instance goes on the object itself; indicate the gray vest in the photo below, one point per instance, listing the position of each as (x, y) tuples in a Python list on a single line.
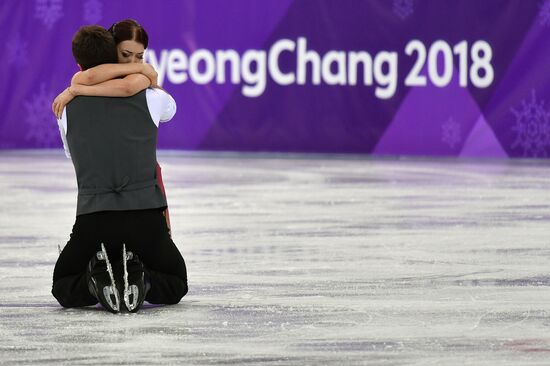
[(113, 147)]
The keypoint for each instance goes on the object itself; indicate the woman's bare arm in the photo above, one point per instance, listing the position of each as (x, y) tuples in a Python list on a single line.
[(101, 73), (125, 87)]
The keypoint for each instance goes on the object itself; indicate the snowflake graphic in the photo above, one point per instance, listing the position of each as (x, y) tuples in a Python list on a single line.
[(532, 128), (93, 11), (403, 8), (451, 133), (17, 51), (544, 13), (48, 11), (41, 126)]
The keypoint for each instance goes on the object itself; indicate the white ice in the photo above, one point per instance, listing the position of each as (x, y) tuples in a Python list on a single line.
[(299, 260)]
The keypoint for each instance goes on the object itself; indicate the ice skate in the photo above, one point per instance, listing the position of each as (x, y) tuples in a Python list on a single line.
[(136, 282), (101, 281)]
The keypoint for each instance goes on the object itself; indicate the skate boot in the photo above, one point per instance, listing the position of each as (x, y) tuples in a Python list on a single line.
[(136, 281), (101, 281)]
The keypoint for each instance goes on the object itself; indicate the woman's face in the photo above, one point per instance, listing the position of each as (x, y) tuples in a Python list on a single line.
[(130, 52)]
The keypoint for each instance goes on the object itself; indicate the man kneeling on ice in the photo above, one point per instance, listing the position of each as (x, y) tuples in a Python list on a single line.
[(120, 252)]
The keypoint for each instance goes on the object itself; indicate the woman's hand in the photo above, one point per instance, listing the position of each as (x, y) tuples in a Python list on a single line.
[(61, 101), (150, 72)]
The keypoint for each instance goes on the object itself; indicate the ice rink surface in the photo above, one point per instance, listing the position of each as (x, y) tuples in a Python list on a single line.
[(299, 260)]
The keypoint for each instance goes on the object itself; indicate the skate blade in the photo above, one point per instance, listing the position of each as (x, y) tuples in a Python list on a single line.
[(110, 295), (131, 304)]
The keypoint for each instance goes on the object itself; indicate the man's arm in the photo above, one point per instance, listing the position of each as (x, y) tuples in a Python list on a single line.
[(169, 107), (101, 73), (162, 106), (62, 123)]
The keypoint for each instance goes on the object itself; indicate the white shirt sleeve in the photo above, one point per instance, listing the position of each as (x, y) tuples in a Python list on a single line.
[(62, 123), (162, 107)]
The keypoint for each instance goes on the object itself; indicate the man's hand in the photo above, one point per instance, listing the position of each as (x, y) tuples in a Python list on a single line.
[(150, 72), (61, 101)]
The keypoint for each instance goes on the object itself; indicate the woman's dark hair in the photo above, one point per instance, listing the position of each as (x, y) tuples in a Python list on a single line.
[(129, 30), (93, 45)]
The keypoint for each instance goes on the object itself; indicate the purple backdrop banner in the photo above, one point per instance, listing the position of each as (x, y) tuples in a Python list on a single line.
[(390, 77)]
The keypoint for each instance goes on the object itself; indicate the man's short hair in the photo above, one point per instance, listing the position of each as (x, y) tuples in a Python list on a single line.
[(94, 45)]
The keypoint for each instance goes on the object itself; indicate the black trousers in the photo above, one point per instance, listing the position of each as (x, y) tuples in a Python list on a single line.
[(144, 232)]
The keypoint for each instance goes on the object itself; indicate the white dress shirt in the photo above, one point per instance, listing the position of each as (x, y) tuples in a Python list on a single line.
[(161, 105)]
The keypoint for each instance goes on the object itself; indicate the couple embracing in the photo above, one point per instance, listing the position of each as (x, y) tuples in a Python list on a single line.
[(120, 252)]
